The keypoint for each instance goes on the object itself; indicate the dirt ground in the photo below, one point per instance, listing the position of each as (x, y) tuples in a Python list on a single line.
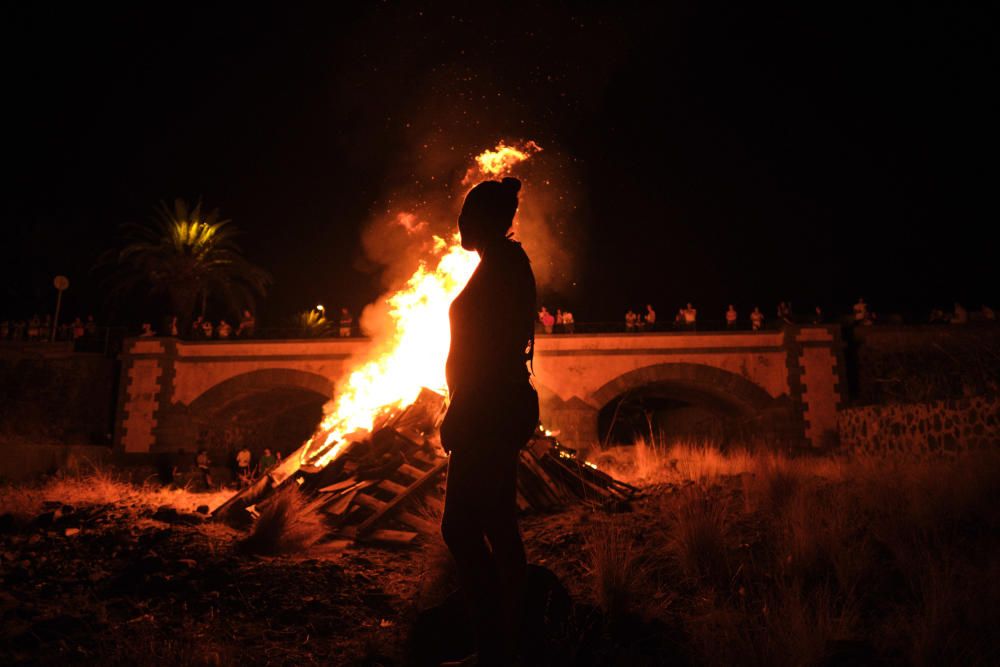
[(760, 561), (129, 583)]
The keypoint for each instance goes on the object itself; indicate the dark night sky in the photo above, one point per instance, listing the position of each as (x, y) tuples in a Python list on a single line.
[(715, 153)]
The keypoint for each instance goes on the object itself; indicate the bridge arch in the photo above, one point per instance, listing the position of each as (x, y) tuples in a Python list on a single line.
[(256, 382), (276, 408), (686, 399)]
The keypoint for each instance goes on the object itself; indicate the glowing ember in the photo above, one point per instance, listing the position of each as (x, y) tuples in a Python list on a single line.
[(414, 354)]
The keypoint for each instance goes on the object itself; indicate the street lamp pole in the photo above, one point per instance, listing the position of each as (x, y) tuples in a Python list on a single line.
[(61, 283)]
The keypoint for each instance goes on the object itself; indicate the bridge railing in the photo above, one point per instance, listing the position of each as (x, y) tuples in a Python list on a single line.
[(658, 327)]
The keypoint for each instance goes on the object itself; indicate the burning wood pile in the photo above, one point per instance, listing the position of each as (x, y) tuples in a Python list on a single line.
[(390, 486), (376, 459)]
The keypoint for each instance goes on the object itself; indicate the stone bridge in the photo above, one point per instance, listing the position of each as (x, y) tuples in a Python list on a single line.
[(788, 384)]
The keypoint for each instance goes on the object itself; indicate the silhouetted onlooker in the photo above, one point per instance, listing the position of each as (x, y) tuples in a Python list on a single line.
[(266, 461), (493, 412), (247, 325), (690, 317), (243, 467), (346, 323), (731, 316), (860, 311), (960, 314), (547, 320), (785, 312), (204, 467)]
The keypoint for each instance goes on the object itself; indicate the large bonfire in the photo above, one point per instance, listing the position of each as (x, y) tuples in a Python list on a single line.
[(412, 354)]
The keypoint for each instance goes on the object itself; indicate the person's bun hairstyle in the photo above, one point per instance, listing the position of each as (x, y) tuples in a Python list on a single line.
[(494, 203), (511, 184)]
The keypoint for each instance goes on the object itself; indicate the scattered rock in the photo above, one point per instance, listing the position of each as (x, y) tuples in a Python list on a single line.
[(72, 531), (166, 514), (43, 520), (190, 519)]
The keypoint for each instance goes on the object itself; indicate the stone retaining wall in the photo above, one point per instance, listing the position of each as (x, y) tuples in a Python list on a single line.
[(922, 428)]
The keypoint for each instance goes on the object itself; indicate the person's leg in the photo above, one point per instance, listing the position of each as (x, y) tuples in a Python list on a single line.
[(500, 524), (462, 530)]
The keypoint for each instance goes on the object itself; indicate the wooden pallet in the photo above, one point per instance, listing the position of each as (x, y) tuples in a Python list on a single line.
[(420, 474)]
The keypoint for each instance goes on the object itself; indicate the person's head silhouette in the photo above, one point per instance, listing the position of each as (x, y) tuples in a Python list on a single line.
[(488, 213)]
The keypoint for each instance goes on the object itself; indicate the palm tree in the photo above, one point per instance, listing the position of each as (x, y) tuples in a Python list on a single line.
[(312, 324), (190, 257)]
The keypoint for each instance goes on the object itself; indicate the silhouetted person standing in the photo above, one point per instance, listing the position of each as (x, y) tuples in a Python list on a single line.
[(492, 414)]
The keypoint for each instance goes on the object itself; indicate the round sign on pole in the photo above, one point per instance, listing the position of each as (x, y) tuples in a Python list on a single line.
[(61, 283)]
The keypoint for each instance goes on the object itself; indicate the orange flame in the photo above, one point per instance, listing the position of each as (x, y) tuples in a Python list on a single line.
[(500, 161), (413, 355)]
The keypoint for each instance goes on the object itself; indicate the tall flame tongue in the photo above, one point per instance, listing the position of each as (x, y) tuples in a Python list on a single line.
[(413, 355)]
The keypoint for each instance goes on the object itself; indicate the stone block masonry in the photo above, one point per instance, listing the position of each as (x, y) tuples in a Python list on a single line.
[(937, 427)]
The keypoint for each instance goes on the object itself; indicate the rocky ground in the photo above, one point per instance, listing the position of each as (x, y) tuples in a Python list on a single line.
[(758, 561), (127, 583)]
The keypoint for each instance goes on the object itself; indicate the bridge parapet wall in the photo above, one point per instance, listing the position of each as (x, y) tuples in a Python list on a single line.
[(799, 369)]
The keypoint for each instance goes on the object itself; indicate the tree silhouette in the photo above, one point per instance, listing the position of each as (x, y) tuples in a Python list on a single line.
[(190, 257)]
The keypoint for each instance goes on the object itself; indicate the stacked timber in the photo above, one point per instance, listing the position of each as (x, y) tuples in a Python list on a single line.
[(395, 479)]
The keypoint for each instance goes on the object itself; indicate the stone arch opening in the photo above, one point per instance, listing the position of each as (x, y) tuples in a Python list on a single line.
[(273, 408), (685, 402)]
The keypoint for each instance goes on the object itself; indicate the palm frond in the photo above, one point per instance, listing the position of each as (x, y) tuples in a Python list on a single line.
[(188, 254)]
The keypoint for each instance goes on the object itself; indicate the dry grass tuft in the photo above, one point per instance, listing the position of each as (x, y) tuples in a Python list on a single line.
[(697, 537), (620, 570), (99, 486), (288, 524), (661, 462), (831, 560)]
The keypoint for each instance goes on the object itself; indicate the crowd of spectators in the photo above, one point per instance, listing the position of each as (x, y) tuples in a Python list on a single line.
[(862, 314), (39, 329), (172, 469), (561, 322)]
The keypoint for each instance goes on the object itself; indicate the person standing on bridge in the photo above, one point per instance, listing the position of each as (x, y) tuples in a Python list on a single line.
[(247, 323), (346, 323), (860, 311), (650, 317), (492, 414), (756, 319), (690, 317), (568, 322), (731, 317), (546, 319)]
